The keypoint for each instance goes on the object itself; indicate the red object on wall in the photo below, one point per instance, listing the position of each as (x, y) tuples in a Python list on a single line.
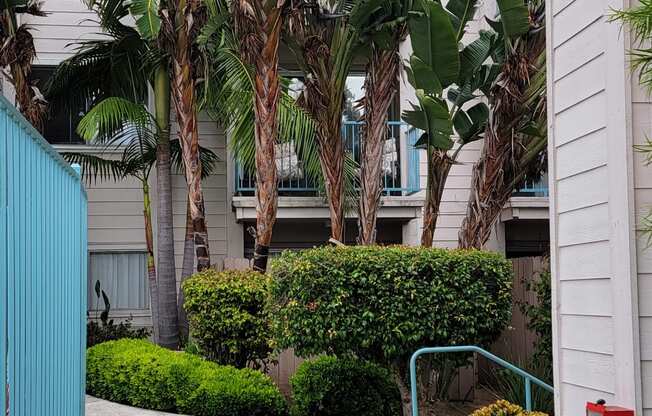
[(597, 409)]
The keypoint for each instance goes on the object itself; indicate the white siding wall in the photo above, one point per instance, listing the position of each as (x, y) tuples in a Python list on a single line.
[(457, 190), (596, 344)]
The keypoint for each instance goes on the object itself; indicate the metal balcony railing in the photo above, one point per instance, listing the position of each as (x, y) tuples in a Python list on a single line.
[(400, 163)]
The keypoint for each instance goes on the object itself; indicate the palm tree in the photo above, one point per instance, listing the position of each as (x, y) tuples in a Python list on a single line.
[(124, 64), (117, 123), (18, 53), (381, 83), (233, 94), (515, 140), (436, 65), (180, 22), (325, 37), (257, 25)]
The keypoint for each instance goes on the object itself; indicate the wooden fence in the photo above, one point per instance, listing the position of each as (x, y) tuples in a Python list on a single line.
[(43, 264)]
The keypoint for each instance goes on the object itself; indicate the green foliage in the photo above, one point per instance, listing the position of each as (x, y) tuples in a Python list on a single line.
[(511, 386), (539, 317), (504, 408), (142, 374), (384, 303), (229, 321), (106, 329), (330, 386)]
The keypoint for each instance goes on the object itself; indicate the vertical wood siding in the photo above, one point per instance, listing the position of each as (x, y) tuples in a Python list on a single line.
[(43, 263)]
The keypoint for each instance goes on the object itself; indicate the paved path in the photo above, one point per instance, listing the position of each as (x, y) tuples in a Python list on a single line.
[(99, 407)]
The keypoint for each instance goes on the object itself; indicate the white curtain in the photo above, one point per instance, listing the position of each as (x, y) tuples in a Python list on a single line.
[(122, 275)]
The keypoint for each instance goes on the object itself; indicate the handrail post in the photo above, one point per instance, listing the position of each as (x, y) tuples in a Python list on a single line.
[(528, 394), (413, 384)]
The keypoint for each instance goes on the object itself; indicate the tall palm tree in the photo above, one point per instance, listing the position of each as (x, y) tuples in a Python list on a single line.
[(515, 139), (119, 124), (325, 37), (180, 22), (258, 25), (17, 52), (123, 64), (437, 64), (381, 83), (238, 86)]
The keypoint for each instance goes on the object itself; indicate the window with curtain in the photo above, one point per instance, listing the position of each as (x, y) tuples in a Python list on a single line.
[(123, 276)]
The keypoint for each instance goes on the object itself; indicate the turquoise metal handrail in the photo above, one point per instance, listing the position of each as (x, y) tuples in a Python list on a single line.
[(527, 377)]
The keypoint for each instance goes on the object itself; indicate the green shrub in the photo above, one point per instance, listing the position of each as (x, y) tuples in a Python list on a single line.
[(384, 303), (101, 328), (539, 316), (141, 374), (229, 321), (329, 386)]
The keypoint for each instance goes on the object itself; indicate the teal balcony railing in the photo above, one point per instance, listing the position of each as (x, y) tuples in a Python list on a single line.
[(534, 188), (400, 163)]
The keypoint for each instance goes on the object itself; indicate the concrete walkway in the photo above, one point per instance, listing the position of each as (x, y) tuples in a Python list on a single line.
[(99, 407)]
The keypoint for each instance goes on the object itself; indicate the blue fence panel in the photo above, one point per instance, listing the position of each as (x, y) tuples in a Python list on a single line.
[(43, 266)]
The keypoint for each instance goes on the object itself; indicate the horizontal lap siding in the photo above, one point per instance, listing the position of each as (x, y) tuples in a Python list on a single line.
[(583, 282), (641, 121)]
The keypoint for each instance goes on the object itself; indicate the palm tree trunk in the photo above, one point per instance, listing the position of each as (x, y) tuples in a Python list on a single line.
[(183, 89), (262, 55), (167, 282), (186, 271), (438, 169), (491, 188), (380, 86), (151, 268), (331, 156)]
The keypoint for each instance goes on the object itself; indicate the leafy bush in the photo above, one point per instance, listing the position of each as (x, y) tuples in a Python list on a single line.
[(384, 303), (106, 329), (504, 408), (539, 318), (329, 386), (229, 321), (142, 374), (511, 387), (98, 332)]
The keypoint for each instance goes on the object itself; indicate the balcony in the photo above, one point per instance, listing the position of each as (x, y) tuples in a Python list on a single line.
[(400, 163)]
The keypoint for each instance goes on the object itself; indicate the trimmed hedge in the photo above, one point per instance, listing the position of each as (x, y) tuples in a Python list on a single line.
[(141, 374), (384, 303), (504, 408), (229, 321), (330, 386)]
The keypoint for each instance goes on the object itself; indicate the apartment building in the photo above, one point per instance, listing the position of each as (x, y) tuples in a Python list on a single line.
[(116, 237)]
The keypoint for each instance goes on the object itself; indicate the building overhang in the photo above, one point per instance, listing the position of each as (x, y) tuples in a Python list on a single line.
[(525, 208), (395, 208)]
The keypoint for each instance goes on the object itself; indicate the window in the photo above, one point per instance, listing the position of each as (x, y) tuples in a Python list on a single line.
[(60, 126), (123, 276)]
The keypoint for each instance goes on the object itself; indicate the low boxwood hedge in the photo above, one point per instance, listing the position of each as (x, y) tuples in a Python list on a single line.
[(141, 374), (330, 386)]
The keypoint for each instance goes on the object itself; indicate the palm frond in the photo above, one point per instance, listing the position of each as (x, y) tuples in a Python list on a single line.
[(116, 120), (96, 168), (207, 158)]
